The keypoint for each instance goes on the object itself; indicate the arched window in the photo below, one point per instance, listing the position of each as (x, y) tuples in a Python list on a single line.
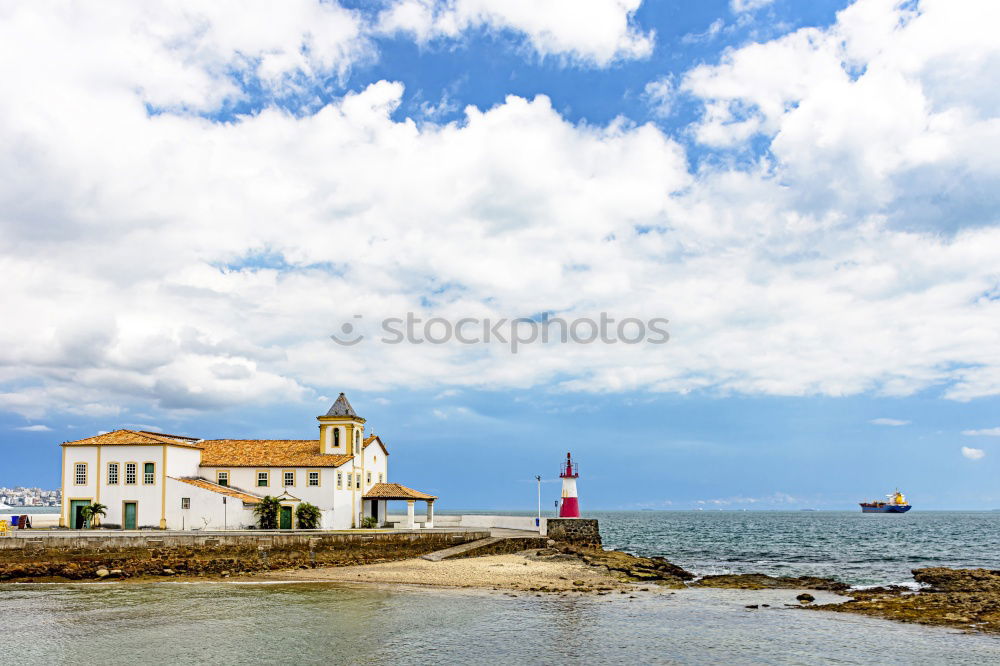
[(357, 441), (336, 436)]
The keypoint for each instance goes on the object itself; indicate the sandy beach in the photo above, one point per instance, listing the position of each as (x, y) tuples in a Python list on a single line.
[(518, 572)]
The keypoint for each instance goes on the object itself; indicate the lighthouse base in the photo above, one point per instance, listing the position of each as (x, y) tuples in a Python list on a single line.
[(578, 531)]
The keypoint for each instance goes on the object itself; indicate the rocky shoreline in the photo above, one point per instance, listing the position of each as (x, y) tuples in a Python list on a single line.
[(967, 599)]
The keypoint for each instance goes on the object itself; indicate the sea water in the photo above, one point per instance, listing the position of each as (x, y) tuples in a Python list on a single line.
[(225, 623), (854, 547)]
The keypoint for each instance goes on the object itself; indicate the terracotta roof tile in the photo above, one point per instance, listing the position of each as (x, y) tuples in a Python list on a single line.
[(371, 438), (396, 491), (134, 438), (216, 488), (267, 453)]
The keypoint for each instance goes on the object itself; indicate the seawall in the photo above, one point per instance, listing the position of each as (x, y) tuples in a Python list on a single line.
[(79, 555)]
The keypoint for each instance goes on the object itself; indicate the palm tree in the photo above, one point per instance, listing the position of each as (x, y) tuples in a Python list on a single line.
[(266, 512), (93, 512), (308, 516)]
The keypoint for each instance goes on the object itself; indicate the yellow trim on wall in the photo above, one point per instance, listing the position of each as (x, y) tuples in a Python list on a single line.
[(62, 490), (163, 491), (97, 477)]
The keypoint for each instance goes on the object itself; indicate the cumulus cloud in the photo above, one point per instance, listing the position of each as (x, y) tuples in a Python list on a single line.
[(889, 422), (740, 6), (178, 55), (973, 454), (158, 257), (983, 432), (593, 31), (659, 95)]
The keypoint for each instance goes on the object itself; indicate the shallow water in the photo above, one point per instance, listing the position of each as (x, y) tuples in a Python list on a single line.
[(857, 548), (204, 623)]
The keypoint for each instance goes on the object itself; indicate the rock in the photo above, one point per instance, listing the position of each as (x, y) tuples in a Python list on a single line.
[(578, 582), (942, 579), (115, 572), (102, 573), (169, 572), (806, 598), (550, 543), (765, 582), (753, 606)]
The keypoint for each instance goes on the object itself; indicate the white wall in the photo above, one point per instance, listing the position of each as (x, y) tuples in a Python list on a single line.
[(472, 520), (207, 511)]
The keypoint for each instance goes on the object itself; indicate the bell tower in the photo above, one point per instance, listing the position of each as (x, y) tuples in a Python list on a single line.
[(340, 428)]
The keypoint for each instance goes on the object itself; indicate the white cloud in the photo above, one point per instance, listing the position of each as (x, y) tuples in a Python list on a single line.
[(889, 422), (973, 454), (173, 54), (168, 260), (984, 432), (713, 29), (35, 428), (659, 95), (593, 31), (740, 6)]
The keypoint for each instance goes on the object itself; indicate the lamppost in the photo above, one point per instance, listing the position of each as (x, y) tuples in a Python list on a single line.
[(538, 520)]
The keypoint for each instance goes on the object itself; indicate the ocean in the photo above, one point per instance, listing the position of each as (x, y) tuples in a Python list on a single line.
[(252, 623), (856, 548)]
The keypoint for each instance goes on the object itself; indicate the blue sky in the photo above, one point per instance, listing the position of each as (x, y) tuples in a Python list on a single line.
[(807, 191)]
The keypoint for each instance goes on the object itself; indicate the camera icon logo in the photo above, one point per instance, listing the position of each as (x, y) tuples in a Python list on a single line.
[(349, 334)]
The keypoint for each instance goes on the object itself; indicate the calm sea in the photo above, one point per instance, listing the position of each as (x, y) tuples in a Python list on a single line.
[(216, 623), (857, 548)]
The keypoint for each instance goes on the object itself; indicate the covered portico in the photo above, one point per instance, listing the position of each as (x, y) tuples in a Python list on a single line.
[(380, 494)]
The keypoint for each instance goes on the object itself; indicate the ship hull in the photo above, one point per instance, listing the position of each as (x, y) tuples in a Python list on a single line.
[(885, 509)]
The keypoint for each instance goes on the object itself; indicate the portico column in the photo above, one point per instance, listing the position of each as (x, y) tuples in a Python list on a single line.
[(383, 511), (430, 513), (409, 513)]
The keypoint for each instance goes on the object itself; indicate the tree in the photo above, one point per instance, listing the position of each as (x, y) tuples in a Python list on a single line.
[(266, 513), (93, 512), (308, 516)]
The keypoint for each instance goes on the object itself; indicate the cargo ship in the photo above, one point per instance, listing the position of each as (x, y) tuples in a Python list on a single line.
[(896, 504)]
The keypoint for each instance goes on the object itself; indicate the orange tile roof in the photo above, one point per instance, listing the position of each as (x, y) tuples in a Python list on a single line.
[(222, 490), (267, 453), (371, 438), (134, 438), (396, 491)]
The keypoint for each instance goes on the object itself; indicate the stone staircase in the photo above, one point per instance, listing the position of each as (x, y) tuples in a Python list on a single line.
[(454, 551)]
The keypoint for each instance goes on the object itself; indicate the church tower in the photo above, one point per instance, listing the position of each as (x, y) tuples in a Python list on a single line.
[(341, 430)]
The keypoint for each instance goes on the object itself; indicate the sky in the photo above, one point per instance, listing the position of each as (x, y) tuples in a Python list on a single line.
[(197, 196)]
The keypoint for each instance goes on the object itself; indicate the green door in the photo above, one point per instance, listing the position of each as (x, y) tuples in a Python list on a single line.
[(76, 520), (285, 521), (129, 519)]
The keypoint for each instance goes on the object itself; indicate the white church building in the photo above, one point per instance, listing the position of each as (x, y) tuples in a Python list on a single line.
[(151, 480)]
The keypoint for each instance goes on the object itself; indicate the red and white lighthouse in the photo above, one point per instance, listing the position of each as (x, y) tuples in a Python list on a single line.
[(570, 505)]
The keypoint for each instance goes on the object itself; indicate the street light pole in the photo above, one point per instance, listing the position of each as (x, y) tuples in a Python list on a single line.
[(538, 521)]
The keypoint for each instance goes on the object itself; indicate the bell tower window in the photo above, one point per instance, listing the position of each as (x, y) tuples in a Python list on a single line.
[(336, 437)]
